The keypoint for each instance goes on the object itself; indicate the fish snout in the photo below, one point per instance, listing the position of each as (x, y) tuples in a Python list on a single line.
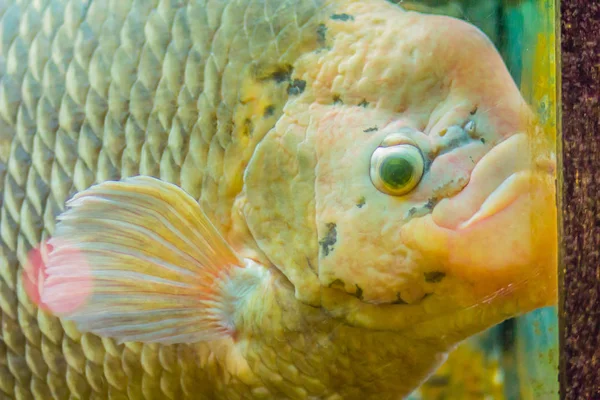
[(499, 233), (510, 170)]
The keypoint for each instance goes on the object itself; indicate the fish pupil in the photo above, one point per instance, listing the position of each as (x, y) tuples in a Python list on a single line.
[(396, 171)]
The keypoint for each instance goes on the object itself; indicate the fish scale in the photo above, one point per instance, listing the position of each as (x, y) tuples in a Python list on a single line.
[(93, 91)]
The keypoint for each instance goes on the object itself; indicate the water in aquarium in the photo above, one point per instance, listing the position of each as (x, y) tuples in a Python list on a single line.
[(278, 199)]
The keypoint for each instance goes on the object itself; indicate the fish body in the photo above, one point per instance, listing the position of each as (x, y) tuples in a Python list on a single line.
[(235, 272)]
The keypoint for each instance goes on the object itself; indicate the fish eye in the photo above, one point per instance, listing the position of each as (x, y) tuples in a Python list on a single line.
[(396, 170)]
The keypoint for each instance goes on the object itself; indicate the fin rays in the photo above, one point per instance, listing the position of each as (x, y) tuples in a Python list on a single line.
[(139, 260)]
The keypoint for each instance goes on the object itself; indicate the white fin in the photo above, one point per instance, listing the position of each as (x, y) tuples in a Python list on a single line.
[(138, 260)]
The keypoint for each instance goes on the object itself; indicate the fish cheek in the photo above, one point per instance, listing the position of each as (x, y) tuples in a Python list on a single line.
[(279, 211), (360, 250), (362, 254)]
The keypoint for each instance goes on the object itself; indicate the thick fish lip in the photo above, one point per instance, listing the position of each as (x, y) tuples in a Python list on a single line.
[(500, 231), (505, 195), (503, 175)]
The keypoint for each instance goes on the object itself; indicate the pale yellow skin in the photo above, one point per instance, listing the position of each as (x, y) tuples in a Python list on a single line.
[(66, 123)]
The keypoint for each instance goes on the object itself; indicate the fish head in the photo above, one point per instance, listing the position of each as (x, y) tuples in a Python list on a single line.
[(422, 185)]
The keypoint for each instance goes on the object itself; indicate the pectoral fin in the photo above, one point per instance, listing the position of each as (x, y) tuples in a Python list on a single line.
[(146, 263)]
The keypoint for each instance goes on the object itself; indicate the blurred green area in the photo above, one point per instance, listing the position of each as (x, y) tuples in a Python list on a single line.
[(519, 358)]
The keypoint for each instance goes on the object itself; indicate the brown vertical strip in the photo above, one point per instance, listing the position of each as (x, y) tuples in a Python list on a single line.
[(580, 200)]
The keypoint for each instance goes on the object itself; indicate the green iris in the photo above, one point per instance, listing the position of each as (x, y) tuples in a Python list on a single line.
[(396, 171)]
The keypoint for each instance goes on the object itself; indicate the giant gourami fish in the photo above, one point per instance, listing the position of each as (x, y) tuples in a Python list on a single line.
[(302, 199)]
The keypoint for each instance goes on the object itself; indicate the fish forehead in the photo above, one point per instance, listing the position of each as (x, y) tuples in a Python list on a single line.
[(432, 69)]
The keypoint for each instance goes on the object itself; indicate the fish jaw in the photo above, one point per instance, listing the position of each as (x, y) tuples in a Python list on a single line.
[(500, 232)]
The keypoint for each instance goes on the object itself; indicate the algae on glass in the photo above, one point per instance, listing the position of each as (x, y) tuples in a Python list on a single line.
[(265, 199)]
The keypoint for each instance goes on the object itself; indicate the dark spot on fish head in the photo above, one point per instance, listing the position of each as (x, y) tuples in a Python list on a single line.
[(359, 292), (273, 72), (342, 17), (282, 74), (337, 99), (372, 129), (363, 103), (434, 276), (269, 111), (329, 240), (431, 203), (309, 264), (482, 140), (361, 202), (399, 299), (321, 34), (296, 87)]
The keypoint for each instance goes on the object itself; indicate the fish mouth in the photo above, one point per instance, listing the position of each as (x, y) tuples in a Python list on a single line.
[(499, 179), (505, 195), (500, 231)]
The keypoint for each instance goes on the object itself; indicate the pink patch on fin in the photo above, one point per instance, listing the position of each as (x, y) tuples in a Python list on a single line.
[(58, 294)]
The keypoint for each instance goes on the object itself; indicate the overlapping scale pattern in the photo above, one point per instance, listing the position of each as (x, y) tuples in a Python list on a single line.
[(94, 90)]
